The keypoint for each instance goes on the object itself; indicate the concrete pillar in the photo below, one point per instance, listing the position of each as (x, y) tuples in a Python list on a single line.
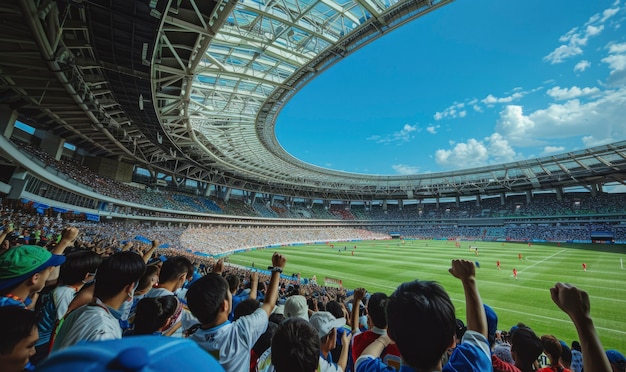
[(8, 117), (502, 199), (529, 197), (227, 194), (50, 143), (457, 201), (478, 200), (18, 185), (559, 193)]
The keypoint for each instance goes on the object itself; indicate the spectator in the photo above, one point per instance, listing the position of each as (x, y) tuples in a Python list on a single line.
[(377, 321), (24, 271), (299, 347), (209, 300), (421, 320), (326, 325), (617, 360), (116, 281), (157, 315), (19, 335), (525, 348), (553, 349), (577, 357)]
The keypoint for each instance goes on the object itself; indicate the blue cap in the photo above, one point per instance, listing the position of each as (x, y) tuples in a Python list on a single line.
[(492, 321), (136, 353), (615, 356)]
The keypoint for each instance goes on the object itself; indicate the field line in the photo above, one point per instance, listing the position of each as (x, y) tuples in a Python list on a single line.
[(545, 259)]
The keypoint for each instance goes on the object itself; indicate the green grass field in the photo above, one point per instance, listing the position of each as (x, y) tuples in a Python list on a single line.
[(382, 265)]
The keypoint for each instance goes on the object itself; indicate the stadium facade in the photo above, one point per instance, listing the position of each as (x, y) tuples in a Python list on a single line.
[(183, 95)]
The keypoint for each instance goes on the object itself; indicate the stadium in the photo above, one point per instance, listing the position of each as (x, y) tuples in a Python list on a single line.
[(157, 119)]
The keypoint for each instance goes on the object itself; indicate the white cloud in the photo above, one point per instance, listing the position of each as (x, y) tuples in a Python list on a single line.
[(450, 112), (552, 149), (582, 65), (491, 99), (432, 129), (462, 114), (559, 93), (617, 64), (463, 155), (617, 48), (562, 53), (600, 120), (477, 108), (405, 169), (577, 37), (513, 124), (590, 141), (404, 135), (475, 153)]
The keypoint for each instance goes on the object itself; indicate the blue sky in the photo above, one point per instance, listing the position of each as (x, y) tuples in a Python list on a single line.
[(474, 83)]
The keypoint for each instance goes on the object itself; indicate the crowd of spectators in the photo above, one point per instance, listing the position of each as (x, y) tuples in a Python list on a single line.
[(67, 292)]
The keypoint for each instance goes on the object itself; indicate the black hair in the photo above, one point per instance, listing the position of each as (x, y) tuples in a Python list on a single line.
[(376, 309), (265, 340), (299, 346), (205, 297), (153, 313), (16, 323), (145, 280), (576, 346), (77, 265), (421, 320), (276, 318), (335, 308), (246, 307), (116, 272), (233, 282), (552, 347), (174, 267), (526, 346)]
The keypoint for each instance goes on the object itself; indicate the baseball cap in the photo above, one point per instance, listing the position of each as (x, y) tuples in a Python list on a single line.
[(615, 356), (296, 307), (137, 353), (324, 322), (20, 263)]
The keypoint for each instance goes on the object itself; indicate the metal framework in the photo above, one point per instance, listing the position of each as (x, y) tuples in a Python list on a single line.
[(193, 88)]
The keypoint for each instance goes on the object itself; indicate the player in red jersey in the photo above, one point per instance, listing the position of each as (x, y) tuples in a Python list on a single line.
[(498, 264), (515, 273), (584, 266), (519, 256)]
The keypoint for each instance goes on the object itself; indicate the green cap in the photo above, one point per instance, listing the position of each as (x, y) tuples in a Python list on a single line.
[(18, 264)]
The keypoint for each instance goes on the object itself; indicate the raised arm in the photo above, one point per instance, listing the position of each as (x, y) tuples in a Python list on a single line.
[(254, 284), (68, 236), (575, 303), (359, 294), (475, 312), (148, 255), (278, 263)]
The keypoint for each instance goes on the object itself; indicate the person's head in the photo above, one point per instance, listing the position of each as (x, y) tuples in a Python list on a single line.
[(149, 279), (176, 270), (19, 335), (326, 325), (296, 307), (156, 314), (552, 347), (576, 346), (209, 297), (421, 320), (27, 266), (617, 360), (246, 307), (233, 283), (79, 267), (566, 355), (299, 346), (336, 309), (376, 309), (118, 273), (525, 347)]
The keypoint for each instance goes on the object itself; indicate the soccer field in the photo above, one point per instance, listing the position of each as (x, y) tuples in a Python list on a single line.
[(380, 266)]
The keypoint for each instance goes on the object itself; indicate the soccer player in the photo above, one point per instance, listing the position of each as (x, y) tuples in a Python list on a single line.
[(498, 264), (519, 256), (584, 267), (515, 273)]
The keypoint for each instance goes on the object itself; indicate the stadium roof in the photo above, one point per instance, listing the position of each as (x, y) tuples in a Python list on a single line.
[(193, 88)]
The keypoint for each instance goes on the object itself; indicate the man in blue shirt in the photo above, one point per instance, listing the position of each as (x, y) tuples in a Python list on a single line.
[(421, 321)]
